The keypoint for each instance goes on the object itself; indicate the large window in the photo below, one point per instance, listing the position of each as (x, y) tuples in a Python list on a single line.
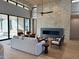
[(20, 24), (20, 5), (12, 26), (9, 26), (26, 8), (5, 0), (12, 2), (26, 24), (3, 26)]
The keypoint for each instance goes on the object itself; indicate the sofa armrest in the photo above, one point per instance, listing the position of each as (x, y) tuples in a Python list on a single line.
[(39, 48)]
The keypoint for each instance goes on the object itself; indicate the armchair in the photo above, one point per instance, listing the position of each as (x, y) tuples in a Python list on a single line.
[(58, 41)]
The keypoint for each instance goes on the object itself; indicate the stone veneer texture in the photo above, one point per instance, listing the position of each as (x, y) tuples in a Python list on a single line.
[(60, 18)]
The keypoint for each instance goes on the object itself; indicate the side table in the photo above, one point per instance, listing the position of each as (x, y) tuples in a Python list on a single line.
[(46, 45)]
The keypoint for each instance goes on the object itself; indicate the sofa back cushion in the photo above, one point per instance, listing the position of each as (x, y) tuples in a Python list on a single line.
[(29, 40)]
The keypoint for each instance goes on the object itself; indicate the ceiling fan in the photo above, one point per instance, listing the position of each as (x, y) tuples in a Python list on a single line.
[(47, 12)]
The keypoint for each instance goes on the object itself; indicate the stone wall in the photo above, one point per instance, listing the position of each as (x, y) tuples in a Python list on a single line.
[(60, 18)]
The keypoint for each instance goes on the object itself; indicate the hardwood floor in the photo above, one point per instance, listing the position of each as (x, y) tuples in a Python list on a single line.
[(1, 52), (70, 50)]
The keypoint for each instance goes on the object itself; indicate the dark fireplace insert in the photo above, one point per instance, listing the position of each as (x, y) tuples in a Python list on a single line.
[(52, 32)]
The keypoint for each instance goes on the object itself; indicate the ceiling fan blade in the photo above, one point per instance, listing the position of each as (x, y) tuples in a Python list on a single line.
[(46, 12), (50, 12)]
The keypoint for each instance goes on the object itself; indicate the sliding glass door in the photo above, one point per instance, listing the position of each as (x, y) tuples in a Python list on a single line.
[(13, 26), (26, 27), (20, 24), (3, 26), (10, 25)]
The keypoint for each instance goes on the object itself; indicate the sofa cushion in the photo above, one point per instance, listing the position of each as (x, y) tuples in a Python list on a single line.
[(55, 42)]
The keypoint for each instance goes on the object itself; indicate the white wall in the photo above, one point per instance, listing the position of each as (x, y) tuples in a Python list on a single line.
[(60, 18), (10, 9)]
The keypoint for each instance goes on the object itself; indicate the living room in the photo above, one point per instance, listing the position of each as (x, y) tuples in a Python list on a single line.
[(37, 30)]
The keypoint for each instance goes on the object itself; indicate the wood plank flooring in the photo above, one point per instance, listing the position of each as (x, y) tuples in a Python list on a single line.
[(70, 50)]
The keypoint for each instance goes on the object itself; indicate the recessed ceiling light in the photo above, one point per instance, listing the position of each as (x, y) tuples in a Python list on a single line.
[(73, 1)]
